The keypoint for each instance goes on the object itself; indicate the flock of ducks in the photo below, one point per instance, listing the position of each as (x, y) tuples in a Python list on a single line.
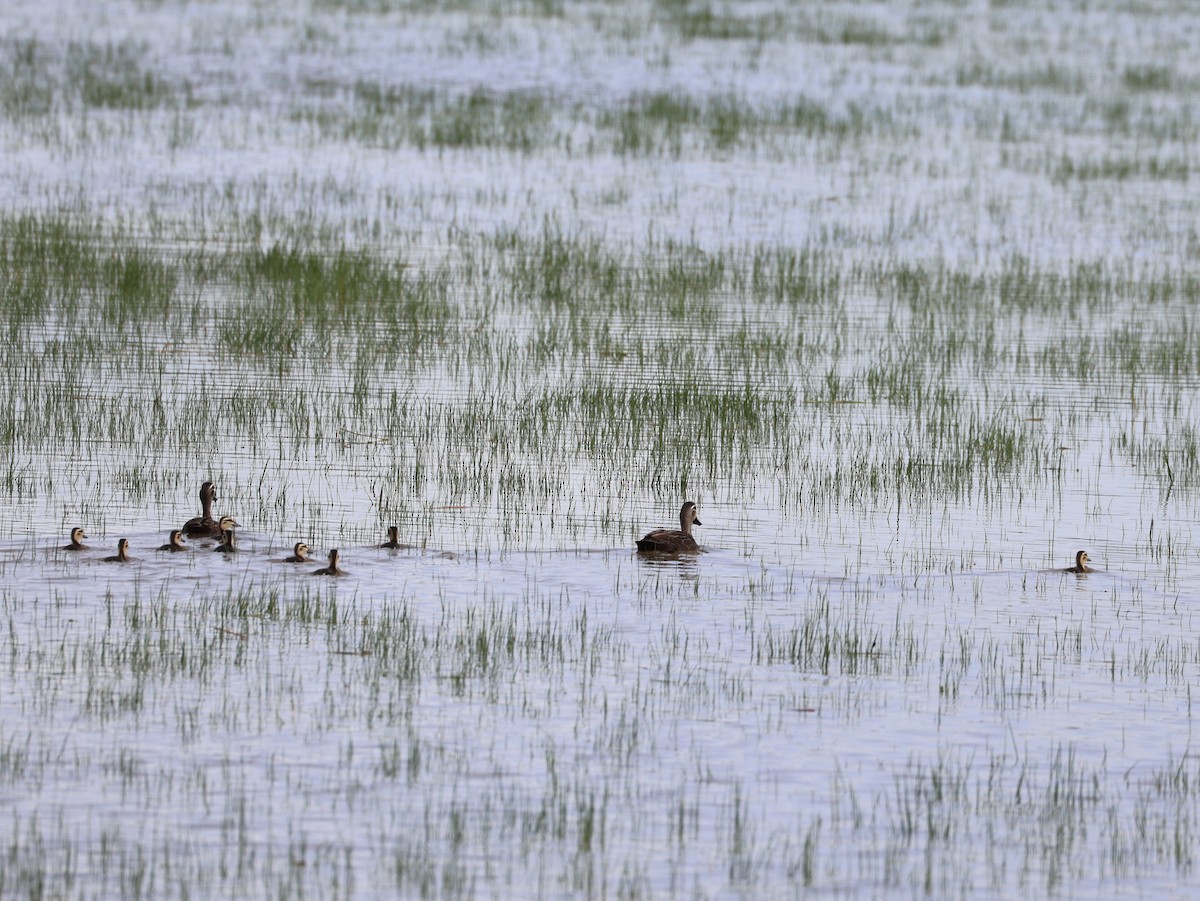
[(204, 526), (664, 542)]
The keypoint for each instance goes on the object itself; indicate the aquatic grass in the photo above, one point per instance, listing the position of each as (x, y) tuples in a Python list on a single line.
[(651, 123), (136, 285), (26, 89), (343, 286), (1148, 78), (406, 115), (1052, 77), (46, 260), (114, 76), (317, 668), (657, 123), (44, 76), (303, 301), (1120, 168), (730, 386), (855, 30), (859, 319)]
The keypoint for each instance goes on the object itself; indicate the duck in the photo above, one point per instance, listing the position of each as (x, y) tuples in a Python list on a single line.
[(120, 556), (1081, 564), (77, 536), (299, 554), (228, 543), (203, 524), (674, 541), (393, 540), (174, 542), (332, 568)]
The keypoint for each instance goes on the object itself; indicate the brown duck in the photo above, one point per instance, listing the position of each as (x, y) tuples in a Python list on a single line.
[(674, 541), (332, 568), (1081, 564), (393, 540), (76, 544), (174, 542), (228, 543), (299, 554), (204, 526), (120, 556)]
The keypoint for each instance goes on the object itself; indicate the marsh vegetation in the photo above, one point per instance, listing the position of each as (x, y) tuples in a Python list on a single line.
[(903, 296)]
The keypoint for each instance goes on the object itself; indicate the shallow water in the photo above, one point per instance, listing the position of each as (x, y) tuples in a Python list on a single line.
[(872, 683)]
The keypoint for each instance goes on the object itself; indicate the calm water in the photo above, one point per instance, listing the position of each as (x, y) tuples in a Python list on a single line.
[(874, 682)]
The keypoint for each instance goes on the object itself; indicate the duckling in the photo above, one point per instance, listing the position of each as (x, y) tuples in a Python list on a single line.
[(332, 568), (393, 540), (228, 543), (204, 525), (299, 554), (1081, 564), (76, 544), (228, 524), (174, 542), (120, 556), (672, 541)]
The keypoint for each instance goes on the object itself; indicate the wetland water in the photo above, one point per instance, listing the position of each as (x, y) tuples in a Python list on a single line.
[(903, 295)]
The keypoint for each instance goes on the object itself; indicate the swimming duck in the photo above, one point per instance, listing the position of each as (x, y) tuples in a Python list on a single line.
[(393, 540), (1081, 564), (204, 525), (76, 544), (174, 543), (332, 568), (228, 543), (672, 541), (119, 556), (299, 554)]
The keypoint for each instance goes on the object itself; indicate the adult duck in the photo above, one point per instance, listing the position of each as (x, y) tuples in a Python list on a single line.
[(674, 541), (204, 526)]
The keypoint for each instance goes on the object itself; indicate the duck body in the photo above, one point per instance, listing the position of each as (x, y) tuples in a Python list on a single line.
[(174, 542), (673, 541), (228, 543), (299, 554), (204, 525), (332, 568), (1081, 564), (226, 523), (121, 556), (393, 540), (77, 536)]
